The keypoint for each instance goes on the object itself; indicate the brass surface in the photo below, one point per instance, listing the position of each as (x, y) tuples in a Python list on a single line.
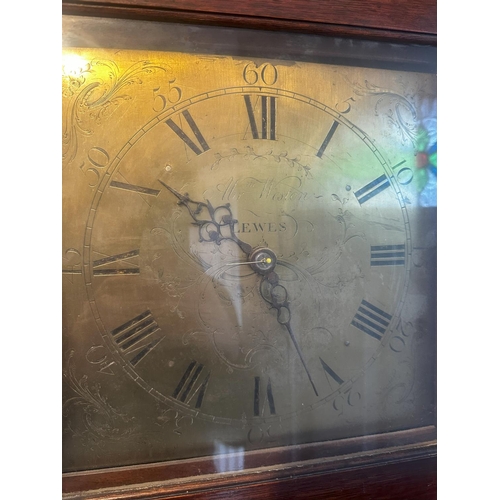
[(176, 168)]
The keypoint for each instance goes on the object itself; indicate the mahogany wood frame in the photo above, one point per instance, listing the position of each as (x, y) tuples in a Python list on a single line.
[(400, 465), (393, 465), (391, 20)]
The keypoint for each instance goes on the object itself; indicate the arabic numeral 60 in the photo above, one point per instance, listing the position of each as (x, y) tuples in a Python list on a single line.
[(266, 74)]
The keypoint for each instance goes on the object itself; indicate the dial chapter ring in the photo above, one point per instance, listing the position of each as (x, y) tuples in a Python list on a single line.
[(263, 268)]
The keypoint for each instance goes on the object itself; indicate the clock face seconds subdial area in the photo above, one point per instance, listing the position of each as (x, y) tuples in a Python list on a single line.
[(248, 254)]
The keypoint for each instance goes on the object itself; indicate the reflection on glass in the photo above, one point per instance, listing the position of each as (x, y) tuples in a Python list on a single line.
[(241, 247), (426, 160), (228, 458)]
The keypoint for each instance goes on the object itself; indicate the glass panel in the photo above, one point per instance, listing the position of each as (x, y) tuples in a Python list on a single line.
[(249, 241)]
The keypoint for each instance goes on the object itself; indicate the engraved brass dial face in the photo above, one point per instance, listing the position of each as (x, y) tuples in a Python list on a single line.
[(239, 245)]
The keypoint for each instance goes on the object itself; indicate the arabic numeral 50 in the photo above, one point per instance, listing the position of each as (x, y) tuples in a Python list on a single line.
[(99, 159)]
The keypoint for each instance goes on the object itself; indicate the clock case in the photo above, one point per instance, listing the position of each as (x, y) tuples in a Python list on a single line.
[(398, 464)]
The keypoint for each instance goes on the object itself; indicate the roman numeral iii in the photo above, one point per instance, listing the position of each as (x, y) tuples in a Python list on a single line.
[(387, 255)]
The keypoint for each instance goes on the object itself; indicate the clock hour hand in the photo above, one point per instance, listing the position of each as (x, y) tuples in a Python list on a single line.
[(214, 224), (219, 226), (276, 295)]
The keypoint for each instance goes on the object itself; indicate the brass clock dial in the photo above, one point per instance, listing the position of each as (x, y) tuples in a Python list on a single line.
[(242, 243)]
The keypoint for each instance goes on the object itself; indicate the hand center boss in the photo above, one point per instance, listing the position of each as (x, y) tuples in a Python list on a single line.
[(220, 227)]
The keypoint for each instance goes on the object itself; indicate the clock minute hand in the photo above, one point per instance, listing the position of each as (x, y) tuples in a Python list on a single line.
[(275, 294), (220, 224), (216, 229)]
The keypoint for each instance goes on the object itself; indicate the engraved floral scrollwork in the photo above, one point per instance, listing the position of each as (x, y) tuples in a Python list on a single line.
[(248, 152), (399, 109), (236, 346), (94, 92), (328, 270), (98, 418), (174, 420), (400, 389)]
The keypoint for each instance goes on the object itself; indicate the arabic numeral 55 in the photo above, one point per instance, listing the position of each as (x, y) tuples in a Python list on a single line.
[(171, 96)]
